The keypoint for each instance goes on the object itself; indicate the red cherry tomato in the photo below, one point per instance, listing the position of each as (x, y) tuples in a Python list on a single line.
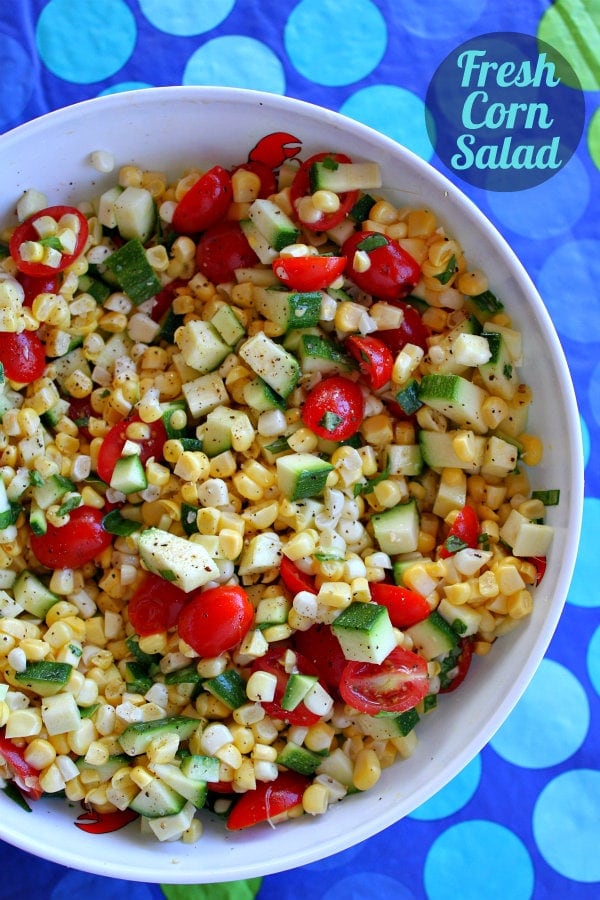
[(462, 666), (294, 579), (301, 187), (412, 331), (25, 776), (215, 620), (393, 272), (22, 355), (80, 410), (221, 250), (374, 359), (155, 605), (26, 232), (34, 286), (464, 532), (320, 646), (205, 204), (268, 800), (271, 662), (164, 299), (268, 182), (113, 443), (405, 607), (540, 565), (334, 408), (74, 544), (309, 273), (93, 822), (397, 684)]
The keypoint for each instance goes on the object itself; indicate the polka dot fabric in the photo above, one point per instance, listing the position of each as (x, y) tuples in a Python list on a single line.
[(522, 820)]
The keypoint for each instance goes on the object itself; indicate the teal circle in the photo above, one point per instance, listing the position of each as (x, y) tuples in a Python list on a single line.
[(549, 209), (236, 61), (478, 859), (17, 71), (593, 660), (453, 797), (393, 111), (566, 824), (581, 260), (582, 591), (368, 884), (182, 18), (123, 86), (441, 18), (85, 42), (585, 440), (549, 723), (335, 42)]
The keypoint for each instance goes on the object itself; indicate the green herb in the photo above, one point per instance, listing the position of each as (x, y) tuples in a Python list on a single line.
[(52, 242), (445, 276), (483, 540), (35, 479), (459, 626), (367, 487), (168, 574), (487, 302), (372, 242), (14, 794), (548, 498), (453, 543), (278, 445), (330, 421), (86, 712), (115, 523), (69, 504), (189, 518), (9, 516), (330, 163)]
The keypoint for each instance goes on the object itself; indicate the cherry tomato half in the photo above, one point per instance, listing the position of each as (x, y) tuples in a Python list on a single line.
[(412, 331), (113, 443), (300, 187), (540, 564), (397, 684), (215, 620), (405, 607), (47, 284), (74, 544), (221, 250), (164, 299), (268, 800), (155, 605), (23, 356), (268, 181), (309, 273), (374, 359), (27, 232), (393, 272), (205, 203), (271, 662), (334, 408), (464, 532), (25, 776), (294, 579), (320, 646)]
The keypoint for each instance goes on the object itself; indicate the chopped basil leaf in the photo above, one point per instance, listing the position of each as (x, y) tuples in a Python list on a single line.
[(330, 421), (372, 242), (115, 523), (453, 544), (445, 276), (487, 302), (70, 504)]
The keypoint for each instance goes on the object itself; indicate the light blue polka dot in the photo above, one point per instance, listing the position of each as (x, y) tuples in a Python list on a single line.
[(549, 723), (594, 393), (566, 824), (236, 61), (100, 38), (95, 887), (585, 440), (442, 19), (583, 590), (338, 860), (368, 884), (183, 18), (477, 859), (335, 42), (393, 111), (549, 209), (17, 71), (124, 86), (454, 796), (593, 660), (576, 262)]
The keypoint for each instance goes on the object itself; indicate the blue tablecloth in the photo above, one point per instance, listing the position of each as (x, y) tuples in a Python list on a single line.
[(523, 819)]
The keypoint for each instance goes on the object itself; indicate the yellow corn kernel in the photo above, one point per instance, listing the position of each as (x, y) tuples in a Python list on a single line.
[(301, 545), (192, 465), (464, 445), (359, 590), (207, 520), (315, 799), (247, 487), (472, 283), (367, 770), (230, 543), (335, 593), (23, 723), (154, 643), (426, 542), (493, 411), (157, 474), (383, 212), (509, 578), (378, 430), (51, 781), (533, 449), (319, 737), (348, 316), (458, 593), (388, 493), (303, 441), (520, 604), (40, 753), (223, 465), (421, 223)]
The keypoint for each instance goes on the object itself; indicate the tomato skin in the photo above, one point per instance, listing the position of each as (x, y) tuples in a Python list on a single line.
[(23, 356), (26, 232), (404, 606), (74, 544), (34, 286), (113, 443), (412, 331), (300, 187), (25, 776), (374, 359), (164, 299), (540, 564), (334, 408), (309, 273), (155, 605), (271, 662), (393, 272), (206, 202), (268, 800), (294, 579), (319, 646), (268, 181), (464, 531), (215, 620), (397, 684), (221, 250)]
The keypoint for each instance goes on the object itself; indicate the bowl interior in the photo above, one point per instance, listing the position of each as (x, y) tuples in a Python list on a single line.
[(169, 129)]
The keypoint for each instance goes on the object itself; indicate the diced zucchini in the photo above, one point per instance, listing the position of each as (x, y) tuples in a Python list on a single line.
[(433, 636), (438, 450), (192, 789), (132, 271), (404, 459), (116, 347), (135, 213), (157, 799), (228, 325), (289, 309), (329, 175), (319, 354), (451, 493), (259, 396), (457, 398), (258, 242), (44, 677), (201, 345), (396, 530), (176, 559), (136, 737), (69, 363), (106, 207), (201, 768), (499, 373), (275, 226), (204, 394), (129, 475), (229, 687), (464, 620), (302, 475), (271, 362), (51, 491), (263, 552), (500, 458), (446, 361), (33, 595), (384, 728), (526, 538), (298, 758), (365, 632), (296, 689)]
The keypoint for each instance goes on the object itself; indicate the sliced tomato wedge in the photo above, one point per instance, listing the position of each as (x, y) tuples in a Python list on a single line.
[(308, 273), (215, 620), (25, 776), (74, 544), (412, 331), (464, 532), (300, 187), (294, 579), (113, 443), (374, 359), (271, 662), (268, 800), (47, 284), (320, 646), (392, 273), (155, 605), (22, 355), (26, 231), (205, 204), (405, 607), (221, 250), (334, 408), (397, 684)]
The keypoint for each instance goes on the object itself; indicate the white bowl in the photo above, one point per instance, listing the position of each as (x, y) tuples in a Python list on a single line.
[(169, 129)]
